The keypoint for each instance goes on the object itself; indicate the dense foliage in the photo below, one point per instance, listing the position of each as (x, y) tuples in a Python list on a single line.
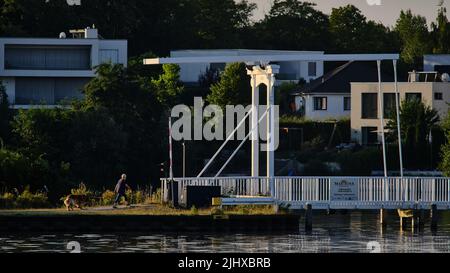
[(115, 129), (163, 25), (233, 87), (5, 115), (417, 121), (120, 126), (445, 164)]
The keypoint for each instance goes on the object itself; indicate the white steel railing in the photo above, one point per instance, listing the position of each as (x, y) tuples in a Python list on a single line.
[(369, 190)]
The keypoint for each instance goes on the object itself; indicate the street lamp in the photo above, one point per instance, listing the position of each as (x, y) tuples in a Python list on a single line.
[(184, 159)]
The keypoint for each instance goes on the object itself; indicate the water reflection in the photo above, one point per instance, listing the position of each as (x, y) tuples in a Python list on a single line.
[(335, 233)]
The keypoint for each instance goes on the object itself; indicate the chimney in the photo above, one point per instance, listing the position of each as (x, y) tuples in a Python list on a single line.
[(91, 33)]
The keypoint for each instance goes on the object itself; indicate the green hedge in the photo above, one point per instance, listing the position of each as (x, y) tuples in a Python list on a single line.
[(26, 200), (319, 129)]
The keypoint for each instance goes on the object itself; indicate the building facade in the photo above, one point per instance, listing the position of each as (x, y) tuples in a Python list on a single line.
[(366, 111), (292, 71), (52, 71), (326, 106), (329, 96)]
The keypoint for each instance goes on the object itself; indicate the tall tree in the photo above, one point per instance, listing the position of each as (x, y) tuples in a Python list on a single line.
[(218, 22), (441, 33), (353, 33), (417, 120), (412, 31), (347, 26), (5, 115), (293, 25), (233, 87), (157, 25), (445, 152), (134, 108), (168, 86)]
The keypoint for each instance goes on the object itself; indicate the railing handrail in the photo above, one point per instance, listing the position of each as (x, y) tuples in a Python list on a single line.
[(315, 189), (304, 177)]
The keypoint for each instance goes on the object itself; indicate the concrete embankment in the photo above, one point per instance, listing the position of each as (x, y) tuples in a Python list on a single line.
[(148, 223)]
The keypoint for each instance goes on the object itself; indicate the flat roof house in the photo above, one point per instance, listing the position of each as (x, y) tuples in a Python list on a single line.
[(366, 112), (329, 97), (290, 71), (50, 71)]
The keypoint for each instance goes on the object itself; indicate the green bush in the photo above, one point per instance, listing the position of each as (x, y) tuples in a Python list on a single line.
[(108, 198), (29, 200), (26, 200), (17, 170), (7, 201), (244, 210), (136, 197), (155, 197), (139, 197), (216, 211), (83, 190), (319, 131), (194, 210), (360, 163), (316, 168)]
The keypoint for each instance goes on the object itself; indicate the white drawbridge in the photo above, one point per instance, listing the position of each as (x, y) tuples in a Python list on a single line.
[(371, 192)]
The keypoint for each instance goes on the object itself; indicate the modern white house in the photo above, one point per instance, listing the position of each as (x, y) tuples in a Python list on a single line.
[(366, 109), (329, 97), (50, 71), (290, 71)]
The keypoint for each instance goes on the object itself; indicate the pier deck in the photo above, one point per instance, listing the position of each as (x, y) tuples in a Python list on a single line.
[(359, 193)]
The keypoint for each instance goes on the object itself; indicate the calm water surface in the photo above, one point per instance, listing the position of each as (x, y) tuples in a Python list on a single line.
[(336, 233)]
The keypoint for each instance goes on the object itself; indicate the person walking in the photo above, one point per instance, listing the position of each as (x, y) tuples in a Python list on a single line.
[(120, 190)]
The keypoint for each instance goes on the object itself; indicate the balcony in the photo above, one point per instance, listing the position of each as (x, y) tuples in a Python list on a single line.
[(31, 57)]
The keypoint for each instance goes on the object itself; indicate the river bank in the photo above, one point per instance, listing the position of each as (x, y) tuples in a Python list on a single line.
[(154, 218)]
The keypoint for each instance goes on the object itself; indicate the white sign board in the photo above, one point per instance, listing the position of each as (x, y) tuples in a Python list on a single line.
[(344, 189)]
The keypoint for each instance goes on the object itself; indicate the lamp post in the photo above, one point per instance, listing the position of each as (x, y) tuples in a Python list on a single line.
[(430, 139), (381, 107), (184, 158)]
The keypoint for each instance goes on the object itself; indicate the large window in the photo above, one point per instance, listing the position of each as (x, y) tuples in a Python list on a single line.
[(414, 96), (217, 66), (32, 57), (312, 69), (369, 135), (320, 103), (347, 103), (48, 91), (369, 106), (389, 105)]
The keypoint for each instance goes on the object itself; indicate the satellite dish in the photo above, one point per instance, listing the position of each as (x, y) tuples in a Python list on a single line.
[(62, 35), (445, 77)]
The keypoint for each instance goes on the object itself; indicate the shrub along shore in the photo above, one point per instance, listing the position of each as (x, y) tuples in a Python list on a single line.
[(40, 200)]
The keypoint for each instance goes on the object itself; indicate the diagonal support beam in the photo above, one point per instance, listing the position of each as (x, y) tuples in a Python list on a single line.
[(225, 143), (255, 126)]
